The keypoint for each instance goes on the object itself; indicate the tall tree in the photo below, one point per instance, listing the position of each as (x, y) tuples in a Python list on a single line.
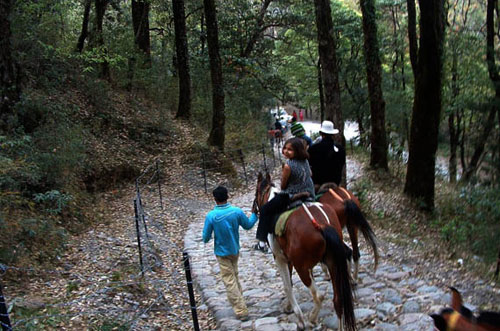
[(489, 121), (378, 139), (9, 85), (412, 34), (85, 26), (100, 9), (140, 21), (258, 30), (329, 65), (217, 133), (184, 108), (427, 106)]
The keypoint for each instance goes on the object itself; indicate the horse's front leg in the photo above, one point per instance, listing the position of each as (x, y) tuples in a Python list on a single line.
[(282, 264)]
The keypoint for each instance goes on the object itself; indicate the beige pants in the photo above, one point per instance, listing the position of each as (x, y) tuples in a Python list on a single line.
[(229, 274)]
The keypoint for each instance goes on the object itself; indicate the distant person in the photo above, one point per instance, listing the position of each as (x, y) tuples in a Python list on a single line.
[(294, 114), (224, 221), (301, 115), (298, 130), (277, 125), (327, 159)]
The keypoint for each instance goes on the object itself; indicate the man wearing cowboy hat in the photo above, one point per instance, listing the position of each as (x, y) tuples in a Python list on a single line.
[(326, 158)]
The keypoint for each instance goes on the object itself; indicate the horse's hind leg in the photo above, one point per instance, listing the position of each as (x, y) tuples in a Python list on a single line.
[(317, 298), (287, 283), (283, 268), (353, 235)]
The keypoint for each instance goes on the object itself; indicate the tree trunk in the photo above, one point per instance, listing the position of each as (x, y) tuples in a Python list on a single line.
[(495, 79), (203, 37), (9, 84), (85, 27), (420, 174), (453, 124), (329, 65), (412, 34), (216, 137), (378, 139), (258, 30), (184, 109), (100, 9), (321, 93), (140, 21)]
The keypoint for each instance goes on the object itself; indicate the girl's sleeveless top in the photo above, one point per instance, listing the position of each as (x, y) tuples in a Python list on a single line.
[(300, 178)]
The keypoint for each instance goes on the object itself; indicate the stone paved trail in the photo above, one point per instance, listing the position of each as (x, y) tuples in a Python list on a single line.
[(391, 299)]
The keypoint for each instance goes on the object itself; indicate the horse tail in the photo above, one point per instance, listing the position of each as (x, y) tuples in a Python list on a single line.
[(355, 217), (336, 252)]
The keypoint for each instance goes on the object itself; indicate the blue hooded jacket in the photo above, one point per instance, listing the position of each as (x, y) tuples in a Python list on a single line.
[(224, 221)]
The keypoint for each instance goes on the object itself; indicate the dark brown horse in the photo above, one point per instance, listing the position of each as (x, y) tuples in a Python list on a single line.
[(348, 209), (459, 318), (312, 235)]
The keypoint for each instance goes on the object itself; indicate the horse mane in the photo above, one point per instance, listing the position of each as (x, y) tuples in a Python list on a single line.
[(325, 187), (265, 183)]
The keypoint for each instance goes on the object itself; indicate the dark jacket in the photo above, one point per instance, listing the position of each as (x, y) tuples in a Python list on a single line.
[(326, 163)]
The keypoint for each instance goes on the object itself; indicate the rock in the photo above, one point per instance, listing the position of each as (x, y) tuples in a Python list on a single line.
[(411, 306), (386, 308), (416, 322)]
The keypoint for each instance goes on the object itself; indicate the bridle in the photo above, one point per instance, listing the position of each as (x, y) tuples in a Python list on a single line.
[(261, 197)]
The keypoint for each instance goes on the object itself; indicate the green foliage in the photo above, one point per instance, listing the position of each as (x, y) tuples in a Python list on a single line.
[(470, 218), (54, 201), (38, 319)]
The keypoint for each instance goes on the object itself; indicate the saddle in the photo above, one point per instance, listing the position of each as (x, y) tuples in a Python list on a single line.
[(295, 201), (298, 198)]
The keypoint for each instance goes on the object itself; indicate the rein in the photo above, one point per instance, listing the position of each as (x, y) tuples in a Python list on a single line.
[(260, 199)]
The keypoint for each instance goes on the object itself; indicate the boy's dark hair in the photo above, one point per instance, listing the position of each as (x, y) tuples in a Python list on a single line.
[(299, 146), (220, 194)]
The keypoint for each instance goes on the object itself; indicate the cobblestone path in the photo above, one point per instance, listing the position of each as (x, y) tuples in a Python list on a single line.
[(390, 299)]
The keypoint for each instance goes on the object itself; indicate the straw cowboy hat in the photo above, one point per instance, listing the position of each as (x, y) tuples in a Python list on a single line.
[(327, 128)]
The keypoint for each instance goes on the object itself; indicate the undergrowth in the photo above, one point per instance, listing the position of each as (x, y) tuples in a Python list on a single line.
[(466, 218)]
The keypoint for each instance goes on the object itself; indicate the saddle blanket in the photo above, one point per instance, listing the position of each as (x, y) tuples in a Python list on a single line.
[(279, 228)]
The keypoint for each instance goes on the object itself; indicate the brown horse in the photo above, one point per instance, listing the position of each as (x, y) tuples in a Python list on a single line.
[(348, 209), (312, 235), (459, 318)]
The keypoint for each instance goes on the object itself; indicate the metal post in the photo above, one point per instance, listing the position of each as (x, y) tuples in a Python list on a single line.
[(4, 314), (264, 157), (204, 171), (192, 300), (243, 163), (159, 184), (138, 236)]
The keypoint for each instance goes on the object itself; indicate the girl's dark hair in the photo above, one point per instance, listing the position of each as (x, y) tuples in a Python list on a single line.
[(299, 147)]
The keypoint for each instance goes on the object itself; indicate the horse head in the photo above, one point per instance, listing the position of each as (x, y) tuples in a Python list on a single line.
[(263, 190), (460, 318)]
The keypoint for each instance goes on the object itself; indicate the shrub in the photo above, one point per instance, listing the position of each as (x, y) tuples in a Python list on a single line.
[(470, 217)]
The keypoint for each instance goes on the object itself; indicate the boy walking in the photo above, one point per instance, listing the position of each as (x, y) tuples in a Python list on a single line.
[(224, 221)]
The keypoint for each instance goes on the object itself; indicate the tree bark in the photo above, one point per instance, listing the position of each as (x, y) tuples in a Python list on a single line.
[(217, 133), (453, 121), (85, 27), (412, 34), (140, 22), (427, 106), (9, 83), (378, 138), (184, 108), (321, 93), (100, 9), (258, 30), (329, 65), (492, 6)]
